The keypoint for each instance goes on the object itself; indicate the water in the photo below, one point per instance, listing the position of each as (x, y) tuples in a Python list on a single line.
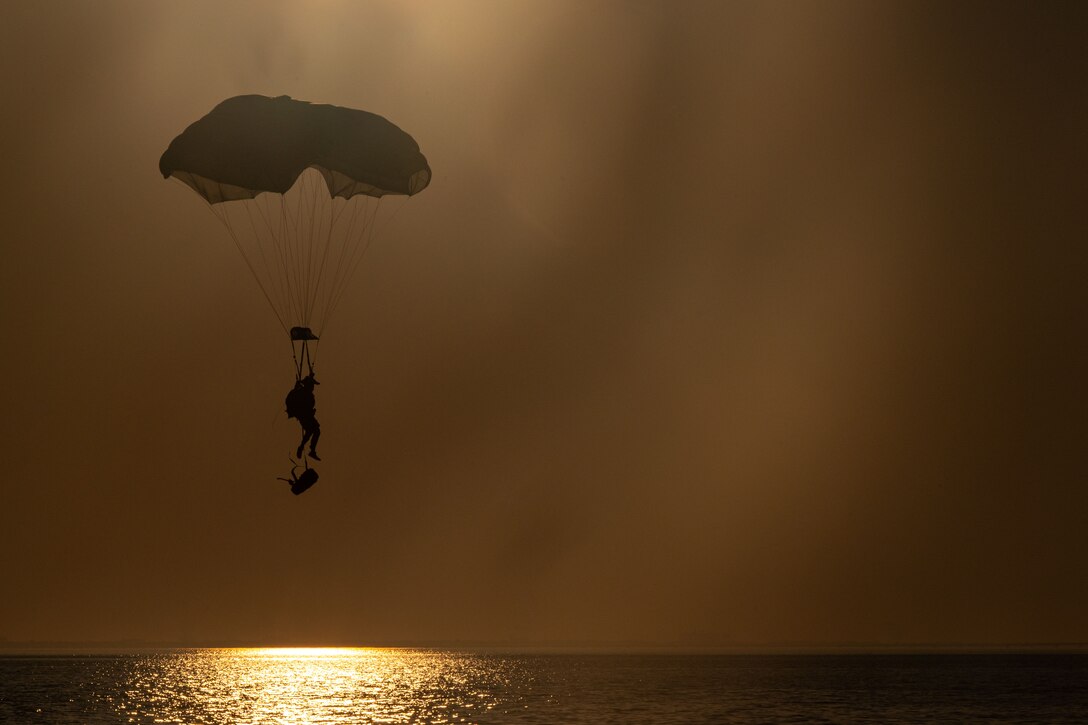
[(250, 686)]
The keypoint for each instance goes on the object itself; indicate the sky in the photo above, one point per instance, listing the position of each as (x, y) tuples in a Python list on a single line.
[(721, 324)]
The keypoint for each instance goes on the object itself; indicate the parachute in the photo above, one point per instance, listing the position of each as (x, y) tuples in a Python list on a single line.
[(298, 186)]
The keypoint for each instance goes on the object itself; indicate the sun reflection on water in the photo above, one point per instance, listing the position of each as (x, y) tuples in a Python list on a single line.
[(312, 685)]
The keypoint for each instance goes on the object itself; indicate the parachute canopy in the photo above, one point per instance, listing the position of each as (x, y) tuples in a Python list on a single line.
[(252, 144), (299, 187)]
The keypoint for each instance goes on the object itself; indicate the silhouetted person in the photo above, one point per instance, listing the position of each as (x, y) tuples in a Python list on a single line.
[(303, 482), (301, 405)]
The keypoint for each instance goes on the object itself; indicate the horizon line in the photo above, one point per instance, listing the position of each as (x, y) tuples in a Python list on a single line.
[(572, 646)]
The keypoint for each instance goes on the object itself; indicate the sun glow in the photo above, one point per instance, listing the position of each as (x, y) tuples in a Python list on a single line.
[(307, 652)]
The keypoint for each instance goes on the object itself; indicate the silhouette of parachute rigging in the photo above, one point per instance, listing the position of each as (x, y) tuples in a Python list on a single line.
[(298, 186)]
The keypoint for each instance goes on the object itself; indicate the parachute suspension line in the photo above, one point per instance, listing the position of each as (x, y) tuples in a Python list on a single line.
[(324, 238), (305, 217), (317, 346), (285, 240), (323, 256), (331, 234), (372, 227), (317, 229), (349, 240), (391, 217), (269, 275), (356, 231), (362, 246), (278, 269), (313, 233), (295, 251), (293, 212), (225, 219), (291, 255), (352, 239), (303, 358), (297, 241), (358, 253)]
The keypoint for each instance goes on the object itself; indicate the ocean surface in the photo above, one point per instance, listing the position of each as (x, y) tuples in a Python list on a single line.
[(344, 686)]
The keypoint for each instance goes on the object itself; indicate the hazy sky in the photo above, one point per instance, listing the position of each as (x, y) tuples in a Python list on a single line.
[(721, 323)]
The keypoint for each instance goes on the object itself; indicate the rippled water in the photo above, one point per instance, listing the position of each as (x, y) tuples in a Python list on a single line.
[(345, 686)]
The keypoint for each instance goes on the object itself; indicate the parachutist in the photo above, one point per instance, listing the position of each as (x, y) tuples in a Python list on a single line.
[(300, 404), (251, 154)]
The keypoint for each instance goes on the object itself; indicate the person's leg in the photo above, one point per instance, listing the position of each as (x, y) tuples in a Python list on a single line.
[(305, 437)]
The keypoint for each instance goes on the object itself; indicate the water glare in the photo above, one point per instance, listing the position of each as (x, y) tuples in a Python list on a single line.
[(313, 685)]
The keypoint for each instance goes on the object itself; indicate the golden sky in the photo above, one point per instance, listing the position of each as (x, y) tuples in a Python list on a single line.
[(720, 324)]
